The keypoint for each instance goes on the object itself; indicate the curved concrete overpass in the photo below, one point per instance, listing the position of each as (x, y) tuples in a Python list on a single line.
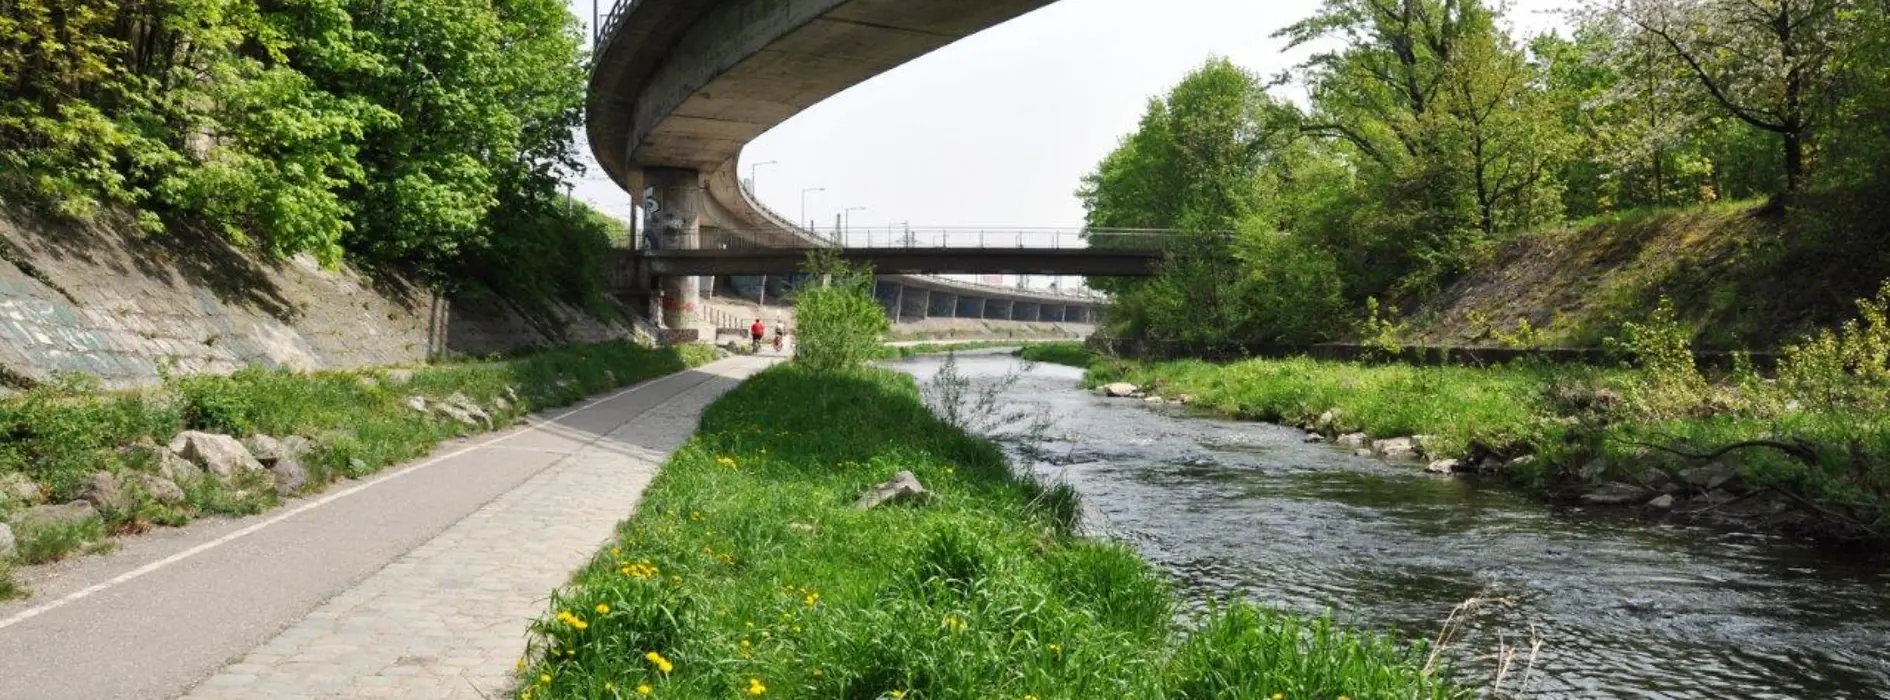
[(679, 87)]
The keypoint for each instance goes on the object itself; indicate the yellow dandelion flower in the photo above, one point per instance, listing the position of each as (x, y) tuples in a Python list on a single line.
[(816, 672), (726, 461), (755, 687), (603, 609), (812, 599), (662, 664), (544, 678), (1055, 648), (644, 689), (1279, 696), (896, 694)]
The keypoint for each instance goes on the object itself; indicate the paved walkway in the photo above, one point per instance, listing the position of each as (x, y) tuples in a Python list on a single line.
[(464, 549)]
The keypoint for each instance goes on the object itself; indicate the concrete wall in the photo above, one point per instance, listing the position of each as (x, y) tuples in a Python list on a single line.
[(96, 301)]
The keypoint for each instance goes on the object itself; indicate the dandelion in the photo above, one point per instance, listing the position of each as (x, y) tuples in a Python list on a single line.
[(954, 624), (726, 461), (661, 663), (644, 689), (576, 623), (816, 672), (603, 609), (896, 694), (755, 687), (544, 678), (1279, 696), (812, 599), (1056, 649)]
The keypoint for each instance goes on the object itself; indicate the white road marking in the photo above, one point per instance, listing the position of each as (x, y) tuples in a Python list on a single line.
[(141, 571)]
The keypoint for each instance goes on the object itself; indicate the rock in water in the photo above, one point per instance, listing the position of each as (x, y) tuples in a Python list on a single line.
[(1312, 438), (1394, 448), (904, 486), (1354, 440), (1662, 502), (1444, 466), (221, 455), (1614, 494), (1121, 390), (1710, 477)]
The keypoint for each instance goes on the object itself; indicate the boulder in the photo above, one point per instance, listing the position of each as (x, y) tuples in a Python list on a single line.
[(220, 455), (38, 517), (500, 404), (1593, 470), (1710, 477), (173, 466), (291, 476), (1354, 440), (417, 403), (1520, 462), (462, 409), (6, 541), (1184, 399), (1662, 502), (1326, 419), (265, 449), (1394, 448), (1313, 438), (1362, 452), (1418, 441), (1615, 493), (296, 446), (103, 492), (1153, 399), (903, 487), (1489, 465), (511, 394), (161, 489), (19, 488), (1444, 466), (1121, 390)]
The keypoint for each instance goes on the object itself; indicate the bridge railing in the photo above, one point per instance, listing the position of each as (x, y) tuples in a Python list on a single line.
[(926, 238)]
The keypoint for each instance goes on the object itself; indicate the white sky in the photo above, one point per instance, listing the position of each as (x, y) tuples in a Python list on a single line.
[(997, 130)]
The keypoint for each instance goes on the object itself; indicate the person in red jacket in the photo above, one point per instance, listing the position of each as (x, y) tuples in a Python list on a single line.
[(755, 332)]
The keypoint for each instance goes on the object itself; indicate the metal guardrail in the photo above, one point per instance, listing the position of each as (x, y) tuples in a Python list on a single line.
[(608, 26)]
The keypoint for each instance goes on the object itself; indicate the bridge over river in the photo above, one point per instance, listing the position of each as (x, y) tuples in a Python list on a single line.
[(679, 87)]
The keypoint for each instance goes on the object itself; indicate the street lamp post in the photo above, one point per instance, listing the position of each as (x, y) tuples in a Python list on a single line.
[(846, 223), (754, 185), (804, 201)]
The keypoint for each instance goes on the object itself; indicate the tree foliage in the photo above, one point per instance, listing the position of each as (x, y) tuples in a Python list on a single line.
[(429, 134), (1432, 134)]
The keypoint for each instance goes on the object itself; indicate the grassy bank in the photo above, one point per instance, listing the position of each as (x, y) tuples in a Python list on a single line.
[(1069, 353), (358, 422), (901, 351), (1741, 449), (747, 572)]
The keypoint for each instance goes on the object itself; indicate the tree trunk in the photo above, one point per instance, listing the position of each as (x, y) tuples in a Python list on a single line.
[(1794, 160)]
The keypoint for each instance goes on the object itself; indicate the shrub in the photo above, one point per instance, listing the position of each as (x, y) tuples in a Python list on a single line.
[(839, 321)]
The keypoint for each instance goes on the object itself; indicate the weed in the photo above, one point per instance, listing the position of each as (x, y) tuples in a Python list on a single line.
[(50, 542)]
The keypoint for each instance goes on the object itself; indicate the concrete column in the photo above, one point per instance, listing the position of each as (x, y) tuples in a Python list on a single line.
[(942, 305), (997, 309), (676, 223), (1054, 313), (914, 304), (888, 295), (970, 307), (1023, 311)]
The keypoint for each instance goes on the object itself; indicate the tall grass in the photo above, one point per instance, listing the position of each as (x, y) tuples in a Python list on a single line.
[(1073, 354), (747, 572)]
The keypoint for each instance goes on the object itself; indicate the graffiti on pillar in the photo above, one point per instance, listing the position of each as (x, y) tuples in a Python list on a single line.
[(664, 228), (675, 304)]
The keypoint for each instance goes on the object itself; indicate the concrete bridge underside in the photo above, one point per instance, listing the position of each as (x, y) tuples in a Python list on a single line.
[(681, 86)]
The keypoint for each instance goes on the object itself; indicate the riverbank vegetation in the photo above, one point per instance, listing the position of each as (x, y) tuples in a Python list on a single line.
[(1449, 180), (749, 570), (1803, 449), (436, 138), (72, 442)]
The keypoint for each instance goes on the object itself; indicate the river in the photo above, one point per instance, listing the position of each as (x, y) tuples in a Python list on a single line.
[(1623, 608)]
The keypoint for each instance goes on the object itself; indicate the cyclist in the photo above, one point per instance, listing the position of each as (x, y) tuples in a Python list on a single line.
[(755, 332)]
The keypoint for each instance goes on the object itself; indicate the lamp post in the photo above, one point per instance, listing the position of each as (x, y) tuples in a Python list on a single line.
[(846, 223), (754, 185), (804, 200)]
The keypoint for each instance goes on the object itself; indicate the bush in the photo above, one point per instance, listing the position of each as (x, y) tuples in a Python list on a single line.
[(839, 322)]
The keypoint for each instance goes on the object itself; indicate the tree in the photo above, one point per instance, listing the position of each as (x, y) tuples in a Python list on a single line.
[(1768, 63)]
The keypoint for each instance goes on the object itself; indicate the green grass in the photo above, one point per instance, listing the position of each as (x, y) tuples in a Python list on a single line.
[(49, 543), (747, 568), (358, 421), (1073, 354)]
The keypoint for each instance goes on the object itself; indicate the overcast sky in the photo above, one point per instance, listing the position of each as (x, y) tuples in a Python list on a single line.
[(997, 130)]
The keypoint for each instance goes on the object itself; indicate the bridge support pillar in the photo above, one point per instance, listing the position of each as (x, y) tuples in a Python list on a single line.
[(888, 295), (675, 222), (970, 307), (997, 309), (1076, 314), (915, 304), (942, 304)]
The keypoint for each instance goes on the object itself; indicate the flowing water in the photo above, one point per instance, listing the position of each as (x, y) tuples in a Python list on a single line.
[(1623, 608)]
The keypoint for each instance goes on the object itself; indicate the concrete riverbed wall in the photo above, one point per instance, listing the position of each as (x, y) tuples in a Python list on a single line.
[(99, 300)]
